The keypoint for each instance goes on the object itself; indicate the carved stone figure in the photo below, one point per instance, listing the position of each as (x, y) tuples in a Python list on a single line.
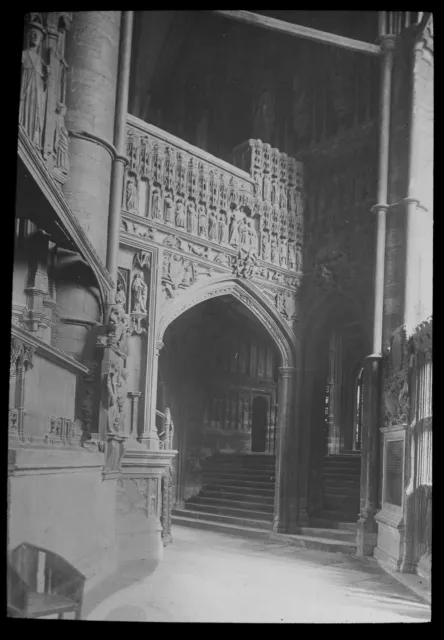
[(280, 302), (265, 245), (291, 255), (120, 295), (252, 236), (131, 195), (282, 197), (283, 254), (169, 206), (139, 292), (117, 392), (234, 230), (212, 227), (243, 232), (61, 140), (118, 326), (223, 228), (245, 264), (274, 249), (191, 218), (33, 91), (180, 214), (267, 188), (202, 220), (157, 206)]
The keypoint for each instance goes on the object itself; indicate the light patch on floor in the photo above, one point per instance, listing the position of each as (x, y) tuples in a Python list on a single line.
[(211, 577)]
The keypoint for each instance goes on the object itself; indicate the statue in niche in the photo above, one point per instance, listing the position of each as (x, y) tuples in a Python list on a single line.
[(180, 215), (61, 140), (223, 228), (139, 292), (212, 227), (33, 90), (282, 197), (191, 218), (233, 237), (157, 207), (274, 194), (131, 195), (169, 206), (291, 255), (252, 236), (265, 245), (283, 254), (202, 220), (120, 295), (280, 302), (267, 187), (117, 394), (274, 249), (243, 232)]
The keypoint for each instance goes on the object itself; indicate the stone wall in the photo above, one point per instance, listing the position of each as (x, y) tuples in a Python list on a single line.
[(60, 502)]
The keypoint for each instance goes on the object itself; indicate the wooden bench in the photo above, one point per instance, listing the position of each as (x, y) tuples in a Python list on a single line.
[(42, 583)]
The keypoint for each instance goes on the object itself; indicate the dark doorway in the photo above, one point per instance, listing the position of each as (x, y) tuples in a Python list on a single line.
[(259, 425)]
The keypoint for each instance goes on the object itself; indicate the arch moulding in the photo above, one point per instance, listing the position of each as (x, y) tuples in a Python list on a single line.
[(247, 294)]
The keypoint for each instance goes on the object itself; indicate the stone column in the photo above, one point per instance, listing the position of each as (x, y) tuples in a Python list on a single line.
[(92, 55), (367, 527), (285, 501), (149, 436), (135, 396), (120, 160)]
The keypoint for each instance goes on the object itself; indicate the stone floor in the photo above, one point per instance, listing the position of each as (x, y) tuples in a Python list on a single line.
[(212, 577)]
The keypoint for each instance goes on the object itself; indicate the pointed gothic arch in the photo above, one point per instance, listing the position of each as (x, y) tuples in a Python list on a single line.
[(250, 296)]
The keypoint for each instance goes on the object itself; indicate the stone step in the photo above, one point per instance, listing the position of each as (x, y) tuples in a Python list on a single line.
[(245, 491), (320, 543), (349, 482), (204, 507), (239, 467), (342, 458), (234, 504), (213, 517), (245, 532), (303, 541), (335, 515), (347, 535), (237, 482), (341, 492), (330, 524), (227, 496), (238, 475)]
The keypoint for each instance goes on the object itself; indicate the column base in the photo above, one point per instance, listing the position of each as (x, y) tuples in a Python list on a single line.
[(366, 535)]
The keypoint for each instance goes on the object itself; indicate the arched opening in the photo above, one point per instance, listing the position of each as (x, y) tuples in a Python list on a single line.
[(259, 425), (334, 354), (218, 375)]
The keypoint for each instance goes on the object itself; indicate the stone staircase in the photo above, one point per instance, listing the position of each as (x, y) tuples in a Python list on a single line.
[(342, 477), (237, 498), (237, 495)]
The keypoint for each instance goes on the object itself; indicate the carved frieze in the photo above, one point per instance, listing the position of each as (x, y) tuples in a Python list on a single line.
[(194, 197)]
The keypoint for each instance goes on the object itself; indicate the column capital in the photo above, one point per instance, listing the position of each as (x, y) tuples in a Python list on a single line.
[(134, 394), (287, 372)]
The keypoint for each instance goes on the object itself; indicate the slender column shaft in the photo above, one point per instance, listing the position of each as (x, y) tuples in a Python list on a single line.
[(381, 208), (367, 528), (118, 168), (285, 490)]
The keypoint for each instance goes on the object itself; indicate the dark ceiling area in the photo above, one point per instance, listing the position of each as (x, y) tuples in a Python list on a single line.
[(216, 82)]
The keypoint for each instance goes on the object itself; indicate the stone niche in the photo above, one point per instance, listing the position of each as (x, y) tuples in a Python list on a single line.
[(391, 519)]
